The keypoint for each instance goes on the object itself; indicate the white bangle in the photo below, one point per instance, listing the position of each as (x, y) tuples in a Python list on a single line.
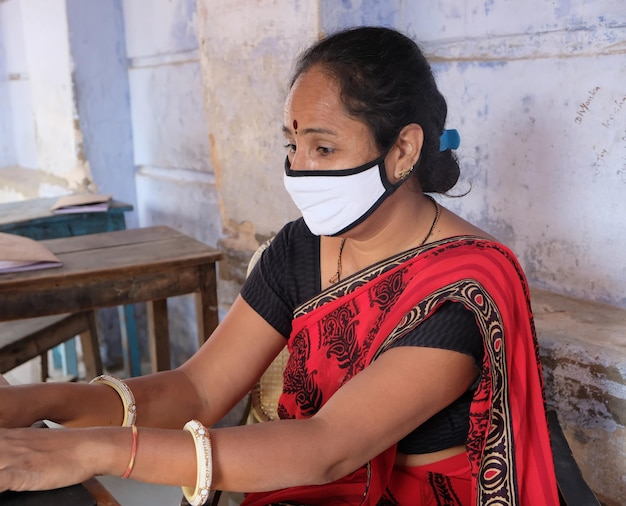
[(202, 441), (127, 397)]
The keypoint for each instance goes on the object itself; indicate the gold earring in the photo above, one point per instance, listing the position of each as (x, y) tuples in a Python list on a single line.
[(403, 174)]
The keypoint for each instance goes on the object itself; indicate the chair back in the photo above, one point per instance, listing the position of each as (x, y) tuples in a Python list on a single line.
[(266, 392)]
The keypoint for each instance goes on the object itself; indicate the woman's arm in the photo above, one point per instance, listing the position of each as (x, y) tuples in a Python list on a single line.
[(372, 411), (205, 388)]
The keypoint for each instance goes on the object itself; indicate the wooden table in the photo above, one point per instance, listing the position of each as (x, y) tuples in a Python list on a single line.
[(119, 268), (33, 218), (88, 493)]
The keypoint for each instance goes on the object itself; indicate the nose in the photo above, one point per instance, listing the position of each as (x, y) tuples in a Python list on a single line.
[(297, 160)]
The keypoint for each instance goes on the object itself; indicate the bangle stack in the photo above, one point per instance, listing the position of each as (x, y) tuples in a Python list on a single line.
[(127, 397), (202, 441)]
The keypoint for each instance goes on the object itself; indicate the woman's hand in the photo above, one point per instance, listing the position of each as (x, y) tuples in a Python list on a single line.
[(42, 459)]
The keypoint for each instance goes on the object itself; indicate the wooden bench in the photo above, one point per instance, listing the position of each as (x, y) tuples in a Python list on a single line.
[(23, 340)]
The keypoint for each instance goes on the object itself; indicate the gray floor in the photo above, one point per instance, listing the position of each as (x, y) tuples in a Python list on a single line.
[(133, 493)]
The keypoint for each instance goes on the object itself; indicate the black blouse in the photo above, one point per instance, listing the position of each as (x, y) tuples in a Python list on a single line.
[(288, 274)]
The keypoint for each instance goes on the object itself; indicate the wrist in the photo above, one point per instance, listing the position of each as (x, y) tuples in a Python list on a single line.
[(109, 449)]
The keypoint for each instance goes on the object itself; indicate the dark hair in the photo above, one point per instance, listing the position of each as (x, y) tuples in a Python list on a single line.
[(387, 82)]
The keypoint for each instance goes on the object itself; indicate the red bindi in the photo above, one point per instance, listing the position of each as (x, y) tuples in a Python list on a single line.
[(295, 125)]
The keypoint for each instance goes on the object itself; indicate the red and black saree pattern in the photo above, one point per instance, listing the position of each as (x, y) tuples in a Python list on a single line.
[(349, 325)]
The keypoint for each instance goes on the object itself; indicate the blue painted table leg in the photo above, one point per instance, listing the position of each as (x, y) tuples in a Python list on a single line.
[(64, 358), (130, 341), (70, 362), (57, 357)]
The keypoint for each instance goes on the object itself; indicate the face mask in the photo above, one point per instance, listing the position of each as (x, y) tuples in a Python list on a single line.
[(335, 201)]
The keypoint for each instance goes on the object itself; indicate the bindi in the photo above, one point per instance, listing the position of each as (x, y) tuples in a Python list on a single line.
[(295, 126)]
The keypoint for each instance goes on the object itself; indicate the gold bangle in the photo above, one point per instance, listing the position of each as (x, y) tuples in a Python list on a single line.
[(127, 397), (133, 454), (202, 441)]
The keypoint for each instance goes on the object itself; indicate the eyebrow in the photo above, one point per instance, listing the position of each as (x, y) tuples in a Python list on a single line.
[(287, 130)]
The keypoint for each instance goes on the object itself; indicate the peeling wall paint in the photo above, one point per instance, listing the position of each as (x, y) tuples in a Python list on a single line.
[(245, 73), (47, 51)]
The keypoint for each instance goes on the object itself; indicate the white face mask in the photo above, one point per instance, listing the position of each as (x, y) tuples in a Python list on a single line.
[(334, 201)]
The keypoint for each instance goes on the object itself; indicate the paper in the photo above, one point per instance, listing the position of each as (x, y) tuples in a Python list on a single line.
[(19, 253), (82, 203)]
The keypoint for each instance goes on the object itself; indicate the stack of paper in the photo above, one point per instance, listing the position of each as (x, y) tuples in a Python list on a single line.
[(82, 203), (19, 253)]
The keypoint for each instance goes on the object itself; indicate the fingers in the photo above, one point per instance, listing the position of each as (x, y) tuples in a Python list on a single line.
[(35, 459)]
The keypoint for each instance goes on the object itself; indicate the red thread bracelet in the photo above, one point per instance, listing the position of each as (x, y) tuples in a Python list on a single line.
[(133, 454)]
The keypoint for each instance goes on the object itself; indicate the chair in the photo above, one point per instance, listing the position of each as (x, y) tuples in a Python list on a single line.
[(265, 393), (23, 340)]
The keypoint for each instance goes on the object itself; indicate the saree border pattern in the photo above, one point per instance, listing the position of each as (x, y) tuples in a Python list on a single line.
[(490, 441)]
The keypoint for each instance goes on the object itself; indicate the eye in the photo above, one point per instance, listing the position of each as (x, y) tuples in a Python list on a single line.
[(324, 151), (291, 148)]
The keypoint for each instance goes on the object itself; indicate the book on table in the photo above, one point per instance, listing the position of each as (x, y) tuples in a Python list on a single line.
[(18, 253), (82, 203)]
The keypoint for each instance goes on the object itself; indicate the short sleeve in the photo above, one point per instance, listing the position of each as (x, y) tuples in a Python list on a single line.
[(285, 276), (451, 327)]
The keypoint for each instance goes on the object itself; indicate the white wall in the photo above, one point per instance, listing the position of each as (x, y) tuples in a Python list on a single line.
[(540, 102), (58, 138), (174, 178), (17, 126), (102, 96)]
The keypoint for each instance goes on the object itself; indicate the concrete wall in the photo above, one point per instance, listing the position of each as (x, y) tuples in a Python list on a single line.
[(17, 130), (539, 99)]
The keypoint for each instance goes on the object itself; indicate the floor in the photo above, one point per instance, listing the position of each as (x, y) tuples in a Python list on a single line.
[(134, 493)]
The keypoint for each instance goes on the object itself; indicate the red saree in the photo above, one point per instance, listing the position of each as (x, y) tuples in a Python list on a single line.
[(349, 325)]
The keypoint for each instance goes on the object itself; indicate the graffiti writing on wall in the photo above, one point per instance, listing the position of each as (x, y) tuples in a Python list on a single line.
[(604, 115)]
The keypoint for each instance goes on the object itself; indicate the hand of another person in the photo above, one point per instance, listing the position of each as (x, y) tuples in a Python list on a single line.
[(42, 459)]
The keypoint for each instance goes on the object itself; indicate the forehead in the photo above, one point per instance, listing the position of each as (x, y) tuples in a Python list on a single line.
[(314, 97)]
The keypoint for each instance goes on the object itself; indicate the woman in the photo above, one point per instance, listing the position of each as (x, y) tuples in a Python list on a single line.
[(413, 375)]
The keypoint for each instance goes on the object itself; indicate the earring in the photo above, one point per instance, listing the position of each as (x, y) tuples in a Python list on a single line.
[(403, 174)]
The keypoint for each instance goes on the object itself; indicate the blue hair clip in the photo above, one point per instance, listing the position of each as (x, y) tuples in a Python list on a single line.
[(450, 139)]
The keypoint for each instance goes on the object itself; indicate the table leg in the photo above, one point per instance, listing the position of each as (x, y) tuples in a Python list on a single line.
[(159, 335), (206, 303), (130, 340), (70, 358), (102, 496), (91, 348)]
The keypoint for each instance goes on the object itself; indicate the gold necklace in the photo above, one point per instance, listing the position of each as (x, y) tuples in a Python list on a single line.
[(335, 278)]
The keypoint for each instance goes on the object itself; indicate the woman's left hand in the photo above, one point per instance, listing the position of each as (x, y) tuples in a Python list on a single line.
[(42, 459)]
